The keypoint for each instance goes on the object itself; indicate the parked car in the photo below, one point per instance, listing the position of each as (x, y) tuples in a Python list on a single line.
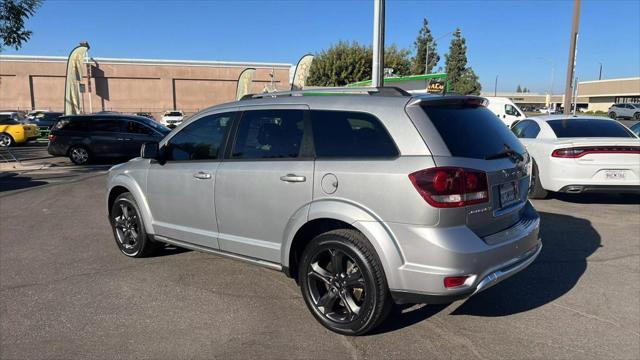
[(580, 154), (636, 129), (626, 111), (15, 115), (172, 118), (505, 109), (365, 200), (45, 120), (85, 137), (14, 132)]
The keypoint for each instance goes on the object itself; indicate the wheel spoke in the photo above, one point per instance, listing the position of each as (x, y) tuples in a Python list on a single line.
[(350, 306), (337, 261), (326, 301), (125, 211), (320, 273), (355, 280)]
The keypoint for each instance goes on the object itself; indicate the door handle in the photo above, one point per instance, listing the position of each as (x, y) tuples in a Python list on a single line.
[(202, 175), (293, 178)]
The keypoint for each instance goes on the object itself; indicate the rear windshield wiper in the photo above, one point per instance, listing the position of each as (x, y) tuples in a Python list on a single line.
[(507, 152)]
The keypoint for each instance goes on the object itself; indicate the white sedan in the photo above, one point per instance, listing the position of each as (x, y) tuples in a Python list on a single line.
[(576, 154)]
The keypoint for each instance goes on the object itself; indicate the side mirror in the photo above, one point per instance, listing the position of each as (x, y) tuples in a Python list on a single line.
[(150, 150)]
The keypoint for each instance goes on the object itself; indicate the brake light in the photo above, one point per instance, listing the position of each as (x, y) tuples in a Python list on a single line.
[(577, 152), (448, 187), (51, 137), (454, 281)]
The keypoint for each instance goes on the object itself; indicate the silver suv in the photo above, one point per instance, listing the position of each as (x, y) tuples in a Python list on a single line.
[(631, 111), (366, 199)]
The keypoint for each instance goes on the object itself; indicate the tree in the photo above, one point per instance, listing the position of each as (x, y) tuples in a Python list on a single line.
[(13, 14), (345, 63), (462, 78), (519, 89), (424, 40)]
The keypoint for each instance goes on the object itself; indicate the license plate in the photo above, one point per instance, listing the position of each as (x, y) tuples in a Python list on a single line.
[(508, 193), (614, 174)]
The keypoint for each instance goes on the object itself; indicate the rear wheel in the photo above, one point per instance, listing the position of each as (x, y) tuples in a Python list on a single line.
[(128, 229), (536, 191), (613, 115), (79, 155), (636, 116), (343, 283), (6, 140)]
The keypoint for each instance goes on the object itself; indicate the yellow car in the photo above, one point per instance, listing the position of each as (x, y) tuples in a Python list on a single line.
[(14, 132)]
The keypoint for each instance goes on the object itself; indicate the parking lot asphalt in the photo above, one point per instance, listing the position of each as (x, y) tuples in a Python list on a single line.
[(66, 292)]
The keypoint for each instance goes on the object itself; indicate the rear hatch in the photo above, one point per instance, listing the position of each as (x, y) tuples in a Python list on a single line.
[(472, 137)]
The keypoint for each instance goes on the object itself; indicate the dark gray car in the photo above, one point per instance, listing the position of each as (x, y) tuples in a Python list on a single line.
[(366, 199)]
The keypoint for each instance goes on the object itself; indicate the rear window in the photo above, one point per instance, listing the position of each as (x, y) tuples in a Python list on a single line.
[(570, 128), (471, 131)]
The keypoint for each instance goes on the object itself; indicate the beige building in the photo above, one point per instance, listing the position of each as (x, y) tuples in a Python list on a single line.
[(597, 95), (131, 85)]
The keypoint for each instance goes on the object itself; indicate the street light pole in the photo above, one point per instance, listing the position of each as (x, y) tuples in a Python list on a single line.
[(377, 75), (571, 65), (600, 74), (495, 87), (426, 59)]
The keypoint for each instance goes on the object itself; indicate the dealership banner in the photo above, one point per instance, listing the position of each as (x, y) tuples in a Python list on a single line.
[(72, 99), (244, 82), (302, 72)]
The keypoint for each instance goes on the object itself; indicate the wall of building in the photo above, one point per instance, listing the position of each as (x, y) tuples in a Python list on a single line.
[(28, 82), (600, 103)]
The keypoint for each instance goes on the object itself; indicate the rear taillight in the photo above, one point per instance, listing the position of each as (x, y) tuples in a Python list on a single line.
[(577, 152), (447, 187), (52, 137)]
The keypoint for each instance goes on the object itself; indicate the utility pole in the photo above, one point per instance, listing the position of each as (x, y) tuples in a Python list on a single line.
[(495, 87), (568, 90), (377, 75), (600, 75)]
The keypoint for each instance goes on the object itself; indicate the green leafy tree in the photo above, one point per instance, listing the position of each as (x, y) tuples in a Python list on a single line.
[(424, 40), (462, 78), (345, 63), (13, 14), (519, 89)]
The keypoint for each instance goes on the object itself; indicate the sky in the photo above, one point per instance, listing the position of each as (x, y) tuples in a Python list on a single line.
[(521, 42)]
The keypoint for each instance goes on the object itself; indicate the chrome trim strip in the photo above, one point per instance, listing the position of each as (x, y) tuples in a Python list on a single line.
[(515, 266), (263, 263)]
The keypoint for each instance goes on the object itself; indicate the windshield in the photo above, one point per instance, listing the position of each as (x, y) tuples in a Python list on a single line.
[(574, 128), (471, 131), (155, 125), (173, 113)]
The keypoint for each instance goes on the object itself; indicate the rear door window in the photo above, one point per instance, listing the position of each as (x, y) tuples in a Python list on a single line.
[(470, 131), (269, 134), (571, 128), (343, 134)]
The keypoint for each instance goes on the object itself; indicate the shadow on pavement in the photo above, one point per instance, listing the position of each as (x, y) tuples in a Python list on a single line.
[(170, 250), (15, 181), (597, 198), (405, 315), (567, 243)]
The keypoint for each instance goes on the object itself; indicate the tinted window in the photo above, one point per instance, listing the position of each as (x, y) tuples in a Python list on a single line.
[(636, 129), (569, 128), (350, 135), (518, 129), (200, 140), (269, 134), (532, 131), (9, 121), (471, 131), (106, 125), (72, 125), (134, 127)]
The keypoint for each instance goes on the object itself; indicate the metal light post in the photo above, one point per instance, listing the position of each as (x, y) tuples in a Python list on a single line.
[(426, 59), (571, 64), (600, 74), (377, 75), (552, 77), (495, 87)]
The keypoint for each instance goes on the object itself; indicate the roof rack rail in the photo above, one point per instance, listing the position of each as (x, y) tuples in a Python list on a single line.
[(374, 91)]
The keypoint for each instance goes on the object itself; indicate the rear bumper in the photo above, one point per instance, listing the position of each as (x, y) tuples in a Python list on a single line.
[(562, 175), (56, 149), (610, 189), (432, 254)]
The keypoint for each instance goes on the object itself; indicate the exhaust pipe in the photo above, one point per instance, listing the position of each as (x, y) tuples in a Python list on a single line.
[(574, 189)]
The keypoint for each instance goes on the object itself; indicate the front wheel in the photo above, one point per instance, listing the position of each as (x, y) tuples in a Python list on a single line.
[(613, 115), (343, 283), (636, 116), (79, 155), (128, 228)]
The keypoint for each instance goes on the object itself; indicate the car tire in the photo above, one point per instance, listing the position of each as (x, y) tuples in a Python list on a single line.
[(128, 228), (636, 116), (536, 191), (6, 140), (79, 155), (613, 115), (343, 282)]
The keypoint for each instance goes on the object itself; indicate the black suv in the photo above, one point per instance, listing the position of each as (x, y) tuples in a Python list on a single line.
[(85, 137)]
